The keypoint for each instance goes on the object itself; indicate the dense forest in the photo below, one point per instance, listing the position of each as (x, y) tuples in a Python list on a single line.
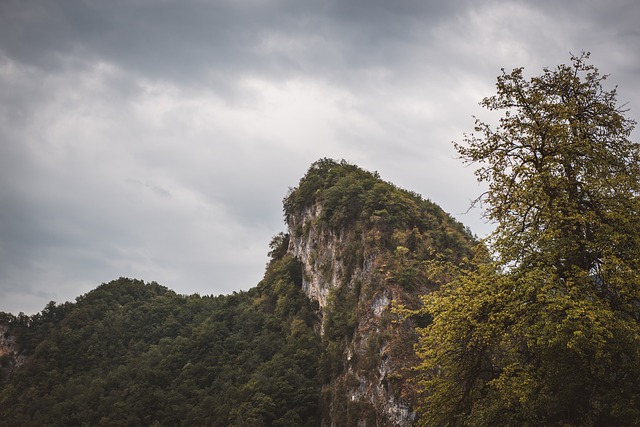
[(377, 308), (136, 353)]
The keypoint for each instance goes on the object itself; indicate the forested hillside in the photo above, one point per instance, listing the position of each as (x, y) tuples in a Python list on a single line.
[(315, 342), (135, 353)]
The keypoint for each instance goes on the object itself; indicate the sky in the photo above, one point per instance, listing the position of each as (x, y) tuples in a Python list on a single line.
[(156, 139)]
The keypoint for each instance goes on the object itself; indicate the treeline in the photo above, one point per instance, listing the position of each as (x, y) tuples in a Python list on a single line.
[(135, 353), (351, 197)]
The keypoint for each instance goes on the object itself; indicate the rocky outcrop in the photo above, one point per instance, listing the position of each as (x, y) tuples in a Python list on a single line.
[(362, 244), (359, 392), (10, 357), (316, 250)]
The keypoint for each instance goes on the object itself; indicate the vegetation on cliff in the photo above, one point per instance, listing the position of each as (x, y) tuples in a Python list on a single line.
[(365, 243)]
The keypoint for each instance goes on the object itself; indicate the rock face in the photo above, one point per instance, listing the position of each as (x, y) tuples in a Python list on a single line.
[(358, 392), (362, 244), (10, 357)]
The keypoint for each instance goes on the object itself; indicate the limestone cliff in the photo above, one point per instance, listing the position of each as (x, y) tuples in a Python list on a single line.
[(10, 355), (362, 243)]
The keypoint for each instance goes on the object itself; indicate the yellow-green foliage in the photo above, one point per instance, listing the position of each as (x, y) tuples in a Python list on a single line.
[(549, 333)]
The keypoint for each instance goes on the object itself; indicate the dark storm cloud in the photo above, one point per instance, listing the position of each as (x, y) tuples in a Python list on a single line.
[(156, 139), (162, 39), (193, 38), (217, 39)]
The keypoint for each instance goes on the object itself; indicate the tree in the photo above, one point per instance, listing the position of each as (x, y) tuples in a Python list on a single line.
[(563, 175), (548, 333)]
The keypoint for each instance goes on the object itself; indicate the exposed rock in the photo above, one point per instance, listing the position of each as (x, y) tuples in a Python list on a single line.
[(358, 255), (10, 357), (367, 356)]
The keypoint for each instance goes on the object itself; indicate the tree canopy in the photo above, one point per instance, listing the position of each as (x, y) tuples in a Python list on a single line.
[(547, 333), (563, 175), (136, 353)]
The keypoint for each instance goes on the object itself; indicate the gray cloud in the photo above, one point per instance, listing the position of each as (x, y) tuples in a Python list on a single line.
[(157, 139)]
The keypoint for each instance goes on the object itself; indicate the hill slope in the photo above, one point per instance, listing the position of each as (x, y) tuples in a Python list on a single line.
[(315, 343)]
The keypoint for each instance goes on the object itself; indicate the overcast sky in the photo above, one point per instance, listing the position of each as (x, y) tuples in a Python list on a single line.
[(156, 139)]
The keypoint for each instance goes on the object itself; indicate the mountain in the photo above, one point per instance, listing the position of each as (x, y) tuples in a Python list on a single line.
[(362, 243), (316, 342)]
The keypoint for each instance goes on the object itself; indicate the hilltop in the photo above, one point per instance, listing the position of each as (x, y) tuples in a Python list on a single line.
[(316, 342)]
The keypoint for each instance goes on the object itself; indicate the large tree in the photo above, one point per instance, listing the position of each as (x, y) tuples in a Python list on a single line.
[(563, 175), (548, 333)]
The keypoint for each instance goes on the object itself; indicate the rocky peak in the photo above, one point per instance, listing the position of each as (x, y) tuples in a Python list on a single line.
[(362, 243)]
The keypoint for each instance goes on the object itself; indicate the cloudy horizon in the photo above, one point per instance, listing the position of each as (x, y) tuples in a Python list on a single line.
[(157, 139)]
